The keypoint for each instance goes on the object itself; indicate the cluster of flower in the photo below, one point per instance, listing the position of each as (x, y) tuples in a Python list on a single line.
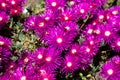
[(9, 7), (58, 27)]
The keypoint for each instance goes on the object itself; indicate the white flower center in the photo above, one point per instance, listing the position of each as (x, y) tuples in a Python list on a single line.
[(107, 33), (41, 24), (12, 2), (48, 59), (39, 56), (74, 51), (82, 11), (3, 4), (59, 40), (23, 78), (54, 4), (69, 64), (110, 71)]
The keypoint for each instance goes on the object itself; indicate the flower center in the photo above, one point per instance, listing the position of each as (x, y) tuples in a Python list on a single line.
[(59, 40), (72, 2), (3, 4), (110, 71), (88, 50), (82, 11), (90, 31), (47, 18), (97, 31), (115, 12), (41, 24), (74, 51), (39, 56), (101, 16), (91, 42), (69, 64), (54, 4), (1, 43), (12, 2), (23, 78), (1, 18), (26, 60), (45, 78), (48, 59), (118, 43), (15, 11), (66, 18), (107, 33), (67, 28)]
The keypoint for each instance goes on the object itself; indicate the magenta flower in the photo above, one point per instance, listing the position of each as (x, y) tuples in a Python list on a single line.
[(82, 9), (111, 69), (74, 49), (30, 23), (89, 31), (55, 4), (18, 74), (46, 75), (92, 41), (3, 5), (89, 50), (3, 18), (4, 58), (58, 38), (70, 64), (107, 32), (70, 28), (5, 42), (16, 10), (115, 45), (68, 15)]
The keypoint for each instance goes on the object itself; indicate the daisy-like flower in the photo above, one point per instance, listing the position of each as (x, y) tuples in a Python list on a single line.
[(3, 18), (52, 59), (4, 58), (68, 15), (16, 10), (58, 39), (70, 64), (46, 75), (92, 40), (89, 30), (49, 16), (18, 74), (74, 50), (82, 10), (115, 45), (14, 3), (5, 42), (3, 5), (30, 23), (107, 33), (115, 11), (111, 70), (89, 50), (70, 28), (38, 56), (55, 4), (25, 59)]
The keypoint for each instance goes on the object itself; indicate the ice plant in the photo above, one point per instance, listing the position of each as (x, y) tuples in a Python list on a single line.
[(58, 38), (70, 64), (110, 69)]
